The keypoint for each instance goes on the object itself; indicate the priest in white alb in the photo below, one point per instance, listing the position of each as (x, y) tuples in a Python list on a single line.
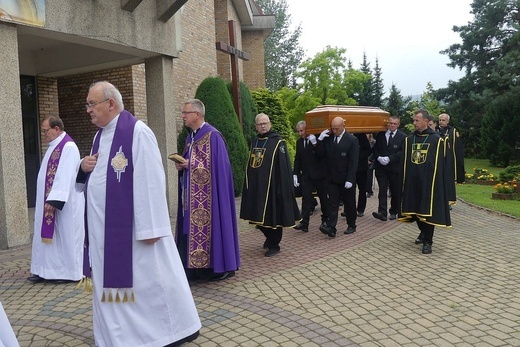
[(59, 229), (141, 296)]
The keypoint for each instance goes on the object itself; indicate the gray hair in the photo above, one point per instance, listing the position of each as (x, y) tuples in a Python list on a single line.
[(447, 116), (110, 92), (197, 105), (260, 115), (301, 123), (55, 121)]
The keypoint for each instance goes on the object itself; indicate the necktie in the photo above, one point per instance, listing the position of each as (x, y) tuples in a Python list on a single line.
[(391, 135), (305, 143)]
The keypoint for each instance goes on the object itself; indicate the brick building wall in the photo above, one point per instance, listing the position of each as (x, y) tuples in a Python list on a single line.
[(224, 11), (197, 60), (254, 70), (73, 91), (48, 103)]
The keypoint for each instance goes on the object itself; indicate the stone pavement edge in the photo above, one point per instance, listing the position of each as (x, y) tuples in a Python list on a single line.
[(370, 288)]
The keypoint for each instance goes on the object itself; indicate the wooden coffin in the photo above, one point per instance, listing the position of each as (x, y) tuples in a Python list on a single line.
[(358, 119)]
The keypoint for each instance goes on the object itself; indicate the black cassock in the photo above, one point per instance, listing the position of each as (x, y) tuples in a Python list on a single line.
[(424, 180), (268, 195)]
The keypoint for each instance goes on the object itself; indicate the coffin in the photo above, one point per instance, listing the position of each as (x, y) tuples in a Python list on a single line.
[(358, 119)]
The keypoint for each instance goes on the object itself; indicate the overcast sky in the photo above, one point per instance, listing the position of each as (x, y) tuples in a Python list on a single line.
[(405, 35)]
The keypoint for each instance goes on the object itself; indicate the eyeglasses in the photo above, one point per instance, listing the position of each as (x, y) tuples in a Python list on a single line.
[(184, 113), (262, 124), (93, 104), (44, 131)]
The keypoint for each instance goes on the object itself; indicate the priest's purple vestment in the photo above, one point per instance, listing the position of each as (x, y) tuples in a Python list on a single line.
[(207, 213)]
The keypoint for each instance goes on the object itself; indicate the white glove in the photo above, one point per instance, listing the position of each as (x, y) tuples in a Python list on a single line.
[(383, 160), (312, 139), (348, 185), (324, 134), (295, 180)]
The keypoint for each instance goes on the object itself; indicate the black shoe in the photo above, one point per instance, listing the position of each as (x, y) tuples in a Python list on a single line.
[(35, 279), (360, 214), (343, 214), (369, 195), (392, 216), (190, 338), (325, 229), (332, 232), (266, 245), (379, 216), (61, 281), (302, 226), (222, 276), (350, 230), (426, 248), (419, 239), (271, 252)]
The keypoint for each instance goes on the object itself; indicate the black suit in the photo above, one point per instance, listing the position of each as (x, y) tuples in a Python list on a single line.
[(341, 163), (310, 170), (362, 171), (388, 175)]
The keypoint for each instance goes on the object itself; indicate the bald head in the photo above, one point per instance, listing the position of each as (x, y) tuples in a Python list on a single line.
[(337, 126)]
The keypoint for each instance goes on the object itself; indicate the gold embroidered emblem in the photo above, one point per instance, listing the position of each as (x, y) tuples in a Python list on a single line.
[(257, 157), (419, 152), (119, 162)]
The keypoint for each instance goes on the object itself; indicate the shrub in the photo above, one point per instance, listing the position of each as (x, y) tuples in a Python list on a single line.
[(249, 111), (269, 103), (221, 114), (481, 174), (506, 187), (510, 173)]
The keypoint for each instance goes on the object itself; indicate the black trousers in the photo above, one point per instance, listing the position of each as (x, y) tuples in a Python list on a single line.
[(308, 186), (370, 181), (426, 232), (361, 181), (387, 179), (272, 237), (336, 193)]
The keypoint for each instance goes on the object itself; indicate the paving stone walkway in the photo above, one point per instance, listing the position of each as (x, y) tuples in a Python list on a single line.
[(371, 288)]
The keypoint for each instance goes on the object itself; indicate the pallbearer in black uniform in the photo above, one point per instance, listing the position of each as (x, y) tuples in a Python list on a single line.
[(387, 153), (341, 152), (309, 172), (268, 196), (423, 176)]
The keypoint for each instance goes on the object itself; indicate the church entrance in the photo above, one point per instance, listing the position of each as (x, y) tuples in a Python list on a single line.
[(31, 135)]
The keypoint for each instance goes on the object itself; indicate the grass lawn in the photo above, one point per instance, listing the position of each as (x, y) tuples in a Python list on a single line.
[(480, 195)]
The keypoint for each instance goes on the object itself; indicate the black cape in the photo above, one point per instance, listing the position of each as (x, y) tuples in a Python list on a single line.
[(455, 153), (268, 196), (423, 178)]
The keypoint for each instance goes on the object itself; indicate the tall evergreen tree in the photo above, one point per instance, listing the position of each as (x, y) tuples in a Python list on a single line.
[(283, 53), (377, 86), (220, 113), (366, 96), (489, 55)]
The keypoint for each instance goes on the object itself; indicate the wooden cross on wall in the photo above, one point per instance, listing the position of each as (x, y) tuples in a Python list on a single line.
[(235, 53)]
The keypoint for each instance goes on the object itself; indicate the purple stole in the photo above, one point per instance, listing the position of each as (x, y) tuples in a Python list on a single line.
[(197, 199), (48, 222), (119, 210)]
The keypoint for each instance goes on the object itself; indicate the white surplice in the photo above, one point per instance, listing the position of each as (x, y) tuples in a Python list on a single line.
[(63, 258), (7, 336), (164, 310)]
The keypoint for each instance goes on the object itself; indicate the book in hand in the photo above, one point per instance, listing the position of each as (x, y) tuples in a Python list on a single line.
[(179, 159)]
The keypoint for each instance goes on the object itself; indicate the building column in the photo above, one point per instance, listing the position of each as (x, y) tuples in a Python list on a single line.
[(162, 112), (14, 228)]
